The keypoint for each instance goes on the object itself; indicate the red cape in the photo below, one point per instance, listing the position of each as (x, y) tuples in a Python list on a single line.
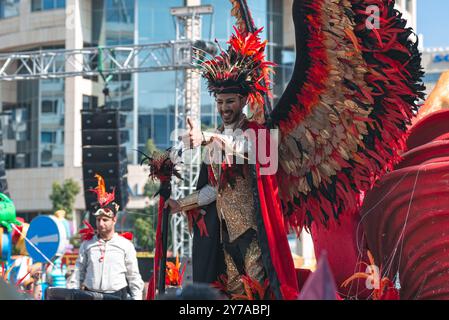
[(274, 235)]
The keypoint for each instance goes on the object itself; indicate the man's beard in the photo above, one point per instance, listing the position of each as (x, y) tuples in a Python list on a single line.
[(104, 233), (230, 116)]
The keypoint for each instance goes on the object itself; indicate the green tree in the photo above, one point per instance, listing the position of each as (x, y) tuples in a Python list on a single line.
[(144, 229), (144, 222), (146, 233), (63, 196)]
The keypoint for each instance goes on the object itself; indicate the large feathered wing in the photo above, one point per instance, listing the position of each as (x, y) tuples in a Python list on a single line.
[(343, 117), (242, 14)]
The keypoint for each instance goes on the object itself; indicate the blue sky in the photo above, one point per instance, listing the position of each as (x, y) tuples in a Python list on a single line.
[(433, 22)]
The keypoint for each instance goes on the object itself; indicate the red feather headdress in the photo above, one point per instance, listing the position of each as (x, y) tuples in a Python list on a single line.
[(242, 69), (105, 199)]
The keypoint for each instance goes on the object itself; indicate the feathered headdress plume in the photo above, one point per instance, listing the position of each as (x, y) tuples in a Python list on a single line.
[(104, 198), (162, 167), (242, 69)]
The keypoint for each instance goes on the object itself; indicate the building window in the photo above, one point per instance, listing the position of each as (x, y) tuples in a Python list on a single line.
[(10, 161), (90, 102), (42, 5), (50, 106), (51, 123), (48, 137), (22, 160), (9, 8), (120, 11)]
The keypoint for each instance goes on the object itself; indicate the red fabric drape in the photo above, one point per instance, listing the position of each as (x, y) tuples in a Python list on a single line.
[(272, 216), (280, 252)]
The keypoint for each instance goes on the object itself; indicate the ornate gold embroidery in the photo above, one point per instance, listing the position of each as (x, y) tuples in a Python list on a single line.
[(236, 206), (235, 284), (253, 262), (253, 268)]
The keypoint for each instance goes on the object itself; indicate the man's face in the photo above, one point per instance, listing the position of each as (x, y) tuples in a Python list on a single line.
[(105, 225), (230, 106)]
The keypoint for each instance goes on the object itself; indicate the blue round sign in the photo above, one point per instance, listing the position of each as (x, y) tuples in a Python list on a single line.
[(48, 236)]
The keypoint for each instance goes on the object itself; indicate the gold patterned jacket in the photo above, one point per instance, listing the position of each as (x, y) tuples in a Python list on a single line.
[(235, 201)]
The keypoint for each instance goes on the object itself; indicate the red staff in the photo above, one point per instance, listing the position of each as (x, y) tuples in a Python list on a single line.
[(162, 168)]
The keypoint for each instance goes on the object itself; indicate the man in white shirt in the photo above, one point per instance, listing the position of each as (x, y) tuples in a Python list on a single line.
[(107, 262)]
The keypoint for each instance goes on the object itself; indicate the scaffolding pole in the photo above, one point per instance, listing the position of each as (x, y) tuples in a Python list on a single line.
[(188, 104)]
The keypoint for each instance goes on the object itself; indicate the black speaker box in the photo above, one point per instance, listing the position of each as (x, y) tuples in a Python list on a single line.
[(102, 119), (99, 154), (104, 137), (104, 153), (105, 169)]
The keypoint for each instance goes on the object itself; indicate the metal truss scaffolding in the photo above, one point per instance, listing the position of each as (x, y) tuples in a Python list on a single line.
[(169, 56)]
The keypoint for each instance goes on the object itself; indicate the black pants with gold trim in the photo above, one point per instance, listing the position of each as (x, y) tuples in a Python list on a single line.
[(242, 257)]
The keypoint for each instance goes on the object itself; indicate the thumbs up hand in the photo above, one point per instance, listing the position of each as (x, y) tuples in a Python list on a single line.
[(194, 137)]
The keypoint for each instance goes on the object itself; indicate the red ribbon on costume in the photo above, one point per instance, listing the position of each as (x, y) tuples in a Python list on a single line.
[(211, 176), (192, 216), (87, 233)]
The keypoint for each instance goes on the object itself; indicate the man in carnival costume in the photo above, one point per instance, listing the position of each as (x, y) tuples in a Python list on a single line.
[(107, 261), (243, 211)]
